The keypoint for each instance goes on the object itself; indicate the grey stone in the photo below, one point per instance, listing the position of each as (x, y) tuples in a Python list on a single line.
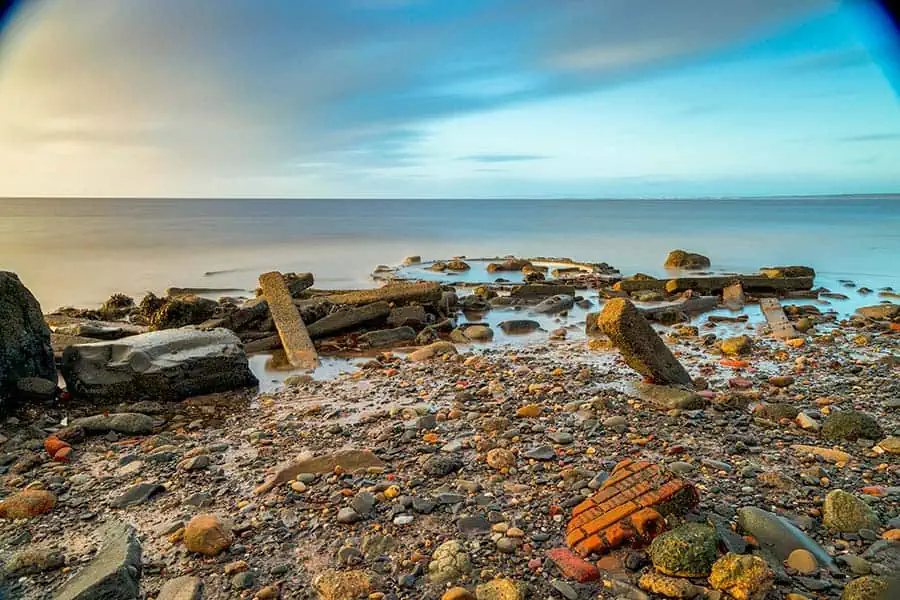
[(164, 365), (138, 494), (519, 326), (555, 304), (182, 588), (565, 589), (473, 524), (388, 337), (25, 349), (36, 388), (363, 503), (113, 574), (439, 466), (30, 561), (347, 319), (128, 423), (884, 557), (541, 453), (347, 515), (777, 535)]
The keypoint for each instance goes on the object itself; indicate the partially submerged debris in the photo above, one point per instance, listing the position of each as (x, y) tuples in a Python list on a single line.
[(295, 340), (776, 319), (641, 347)]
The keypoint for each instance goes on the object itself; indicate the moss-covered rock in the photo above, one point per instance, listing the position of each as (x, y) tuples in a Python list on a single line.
[(686, 551), (679, 259), (851, 425), (174, 312), (847, 513), (116, 307), (737, 346), (871, 587), (777, 411), (743, 576)]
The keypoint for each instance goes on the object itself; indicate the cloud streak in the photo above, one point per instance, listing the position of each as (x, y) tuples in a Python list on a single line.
[(267, 89)]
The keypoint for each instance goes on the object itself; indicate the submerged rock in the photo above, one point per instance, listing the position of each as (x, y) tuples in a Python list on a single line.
[(680, 259), (163, 365)]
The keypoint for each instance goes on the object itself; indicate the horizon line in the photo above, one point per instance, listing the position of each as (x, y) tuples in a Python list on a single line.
[(439, 198)]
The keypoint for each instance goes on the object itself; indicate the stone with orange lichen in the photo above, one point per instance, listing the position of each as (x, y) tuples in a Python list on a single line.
[(628, 508)]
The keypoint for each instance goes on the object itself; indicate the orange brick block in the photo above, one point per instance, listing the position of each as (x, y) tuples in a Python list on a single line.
[(630, 507)]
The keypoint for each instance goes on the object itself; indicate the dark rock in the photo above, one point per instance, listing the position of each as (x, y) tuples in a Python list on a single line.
[(25, 349), (555, 304), (163, 365), (388, 337), (519, 326), (851, 425), (777, 535), (138, 494), (113, 574)]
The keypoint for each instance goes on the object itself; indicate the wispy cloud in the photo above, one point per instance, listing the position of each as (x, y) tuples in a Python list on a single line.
[(502, 158), (871, 137)]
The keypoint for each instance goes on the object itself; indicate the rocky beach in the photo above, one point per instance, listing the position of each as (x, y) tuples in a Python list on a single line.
[(495, 428)]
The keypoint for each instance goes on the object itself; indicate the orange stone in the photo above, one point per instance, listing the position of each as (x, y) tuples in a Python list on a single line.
[(208, 535), (891, 534), (27, 504), (628, 508), (53, 445), (63, 455)]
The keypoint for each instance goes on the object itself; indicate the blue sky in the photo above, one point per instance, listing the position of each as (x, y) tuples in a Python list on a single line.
[(469, 98)]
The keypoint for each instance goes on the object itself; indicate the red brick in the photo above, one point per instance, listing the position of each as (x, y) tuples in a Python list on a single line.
[(572, 566)]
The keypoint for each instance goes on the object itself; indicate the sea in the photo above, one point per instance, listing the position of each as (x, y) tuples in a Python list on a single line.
[(77, 252)]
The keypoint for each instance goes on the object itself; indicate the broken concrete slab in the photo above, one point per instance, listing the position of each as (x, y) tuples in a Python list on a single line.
[(343, 320), (251, 311), (689, 306), (388, 337), (413, 315), (733, 296), (396, 293), (348, 460), (542, 290), (713, 285), (295, 340), (113, 574), (641, 347), (98, 330), (793, 271), (776, 319), (750, 283), (162, 365)]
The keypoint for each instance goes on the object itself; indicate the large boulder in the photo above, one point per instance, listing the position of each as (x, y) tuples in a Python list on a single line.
[(640, 345), (162, 365), (113, 574), (679, 259), (25, 349)]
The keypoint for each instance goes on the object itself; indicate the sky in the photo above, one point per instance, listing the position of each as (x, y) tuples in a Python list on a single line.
[(440, 98)]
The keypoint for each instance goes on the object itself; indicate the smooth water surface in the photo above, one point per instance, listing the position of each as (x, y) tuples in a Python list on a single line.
[(78, 252)]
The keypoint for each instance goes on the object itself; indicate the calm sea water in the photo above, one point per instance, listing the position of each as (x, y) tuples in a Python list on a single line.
[(78, 252)]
